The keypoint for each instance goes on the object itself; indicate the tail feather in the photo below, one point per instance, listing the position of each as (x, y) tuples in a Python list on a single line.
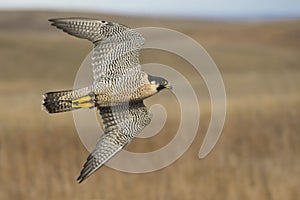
[(60, 101), (68, 100)]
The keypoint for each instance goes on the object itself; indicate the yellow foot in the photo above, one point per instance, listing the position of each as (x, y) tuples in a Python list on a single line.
[(84, 102)]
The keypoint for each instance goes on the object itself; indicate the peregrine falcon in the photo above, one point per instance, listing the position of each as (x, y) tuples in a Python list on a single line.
[(119, 88)]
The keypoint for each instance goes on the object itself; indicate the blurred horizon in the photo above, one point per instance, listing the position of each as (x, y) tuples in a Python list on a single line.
[(41, 155), (215, 9)]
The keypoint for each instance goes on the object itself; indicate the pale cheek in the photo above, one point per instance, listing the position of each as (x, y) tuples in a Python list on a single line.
[(149, 90)]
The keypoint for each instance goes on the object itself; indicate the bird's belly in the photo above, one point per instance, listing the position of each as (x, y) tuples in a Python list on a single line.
[(112, 98)]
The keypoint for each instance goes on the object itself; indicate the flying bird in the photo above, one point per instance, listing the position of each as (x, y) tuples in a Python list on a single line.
[(118, 90)]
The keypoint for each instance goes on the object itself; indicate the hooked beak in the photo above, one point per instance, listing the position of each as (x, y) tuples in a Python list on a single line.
[(169, 86)]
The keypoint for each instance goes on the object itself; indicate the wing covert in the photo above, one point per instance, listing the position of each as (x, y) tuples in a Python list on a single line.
[(117, 56)]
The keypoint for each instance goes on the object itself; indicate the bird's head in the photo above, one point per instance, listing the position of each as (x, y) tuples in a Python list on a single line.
[(159, 82)]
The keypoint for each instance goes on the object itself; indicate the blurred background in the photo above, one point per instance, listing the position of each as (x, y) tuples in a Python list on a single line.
[(255, 44)]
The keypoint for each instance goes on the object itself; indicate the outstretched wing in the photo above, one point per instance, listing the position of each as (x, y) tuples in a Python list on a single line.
[(93, 30), (116, 50), (117, 56), (121, 124)]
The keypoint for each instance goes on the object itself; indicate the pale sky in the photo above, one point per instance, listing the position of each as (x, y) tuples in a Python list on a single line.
[(189, 8)]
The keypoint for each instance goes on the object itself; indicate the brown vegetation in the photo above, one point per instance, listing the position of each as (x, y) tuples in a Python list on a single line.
[(256, 157)]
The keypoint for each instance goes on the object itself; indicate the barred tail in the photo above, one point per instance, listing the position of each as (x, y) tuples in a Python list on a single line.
[(56, 102), (67, 100)]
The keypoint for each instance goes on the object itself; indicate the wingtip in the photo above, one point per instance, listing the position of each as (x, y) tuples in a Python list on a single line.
[(83, 175), (80, 179), (55, 21), (52, 20)]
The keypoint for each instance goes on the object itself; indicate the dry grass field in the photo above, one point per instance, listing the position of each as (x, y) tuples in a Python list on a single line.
[(257, 156)]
